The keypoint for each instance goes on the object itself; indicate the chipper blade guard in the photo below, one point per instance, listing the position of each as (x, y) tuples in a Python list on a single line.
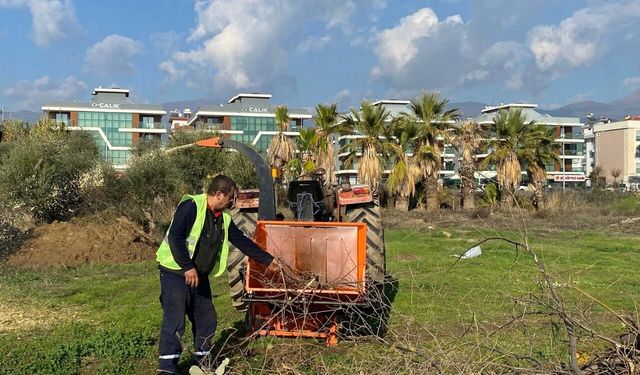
[(324, 271)]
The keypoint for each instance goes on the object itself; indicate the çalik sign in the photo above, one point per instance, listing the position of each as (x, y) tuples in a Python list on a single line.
[(255, 109), (569, 178), (106, 105)]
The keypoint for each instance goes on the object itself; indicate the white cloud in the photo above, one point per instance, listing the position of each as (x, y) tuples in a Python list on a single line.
[(423, 52), (112, 55), (342, 96), (340, 14), (631, 83), (246, 44), (30, 95), (313, 44), (580, 38), (239, 49), (165, 43), (397, 46), (53, 20)]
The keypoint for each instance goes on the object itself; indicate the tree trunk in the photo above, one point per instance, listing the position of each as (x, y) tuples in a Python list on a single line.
[(431, 193), (506, 196), (538, 194), (467, 187), (402, 203)]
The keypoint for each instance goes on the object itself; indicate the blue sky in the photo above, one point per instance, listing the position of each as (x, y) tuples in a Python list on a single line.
[(304, 52)]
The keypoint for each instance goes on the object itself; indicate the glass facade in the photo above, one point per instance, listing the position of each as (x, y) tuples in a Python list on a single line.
[(251, 126), (62, 118), (109, 123)]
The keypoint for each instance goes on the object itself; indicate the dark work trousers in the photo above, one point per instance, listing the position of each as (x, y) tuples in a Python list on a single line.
[(178, 300)]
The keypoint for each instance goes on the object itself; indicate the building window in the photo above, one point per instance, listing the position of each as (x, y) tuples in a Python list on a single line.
[(62, 118), (147, 122)]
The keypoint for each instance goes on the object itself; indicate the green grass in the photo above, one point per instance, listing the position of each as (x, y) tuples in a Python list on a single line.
[(105, 318)]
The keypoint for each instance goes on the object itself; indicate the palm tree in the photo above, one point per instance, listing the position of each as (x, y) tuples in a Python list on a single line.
[(370, 123), (306, 162), (595, 175), (404, 173), (467, 139), (511, 132), (539, 150), (281, 150), (429, 111), (615, 173), (327, 127)]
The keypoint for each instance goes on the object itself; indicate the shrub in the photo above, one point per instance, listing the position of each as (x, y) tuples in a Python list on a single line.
[(13, 130), (152, 176), (490, 196), (197, 165), (40, 172)]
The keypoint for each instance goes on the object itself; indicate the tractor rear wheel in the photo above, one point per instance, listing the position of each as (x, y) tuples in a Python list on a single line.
[(371, 319), (369, 213), (245, 220)]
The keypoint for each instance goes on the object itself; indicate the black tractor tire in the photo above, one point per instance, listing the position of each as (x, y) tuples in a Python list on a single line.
[(369, 213), (245, 220)]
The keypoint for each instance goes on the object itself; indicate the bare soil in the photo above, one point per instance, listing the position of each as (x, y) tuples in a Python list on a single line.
[(82, 241)]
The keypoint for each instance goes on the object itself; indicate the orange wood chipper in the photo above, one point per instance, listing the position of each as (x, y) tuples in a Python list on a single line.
[(332, 254)]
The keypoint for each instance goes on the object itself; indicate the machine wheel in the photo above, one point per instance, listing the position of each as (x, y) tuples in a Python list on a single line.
[(245, 220), (376, 261)]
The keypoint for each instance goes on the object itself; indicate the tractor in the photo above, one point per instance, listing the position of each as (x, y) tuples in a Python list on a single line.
[(331, 227)]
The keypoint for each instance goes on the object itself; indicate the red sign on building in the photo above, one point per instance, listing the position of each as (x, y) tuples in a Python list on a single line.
[(569, 178)]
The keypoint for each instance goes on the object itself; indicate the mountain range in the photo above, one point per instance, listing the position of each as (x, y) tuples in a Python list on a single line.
[(617, 109)]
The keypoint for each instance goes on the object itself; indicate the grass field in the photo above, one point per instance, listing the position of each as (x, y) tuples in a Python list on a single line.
[(482, 315)]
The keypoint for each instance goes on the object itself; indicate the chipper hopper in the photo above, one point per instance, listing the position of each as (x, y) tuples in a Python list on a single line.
[(332, 255), (324, 269)]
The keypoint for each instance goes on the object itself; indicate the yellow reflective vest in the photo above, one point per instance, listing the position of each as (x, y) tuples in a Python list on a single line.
[(164, 256)]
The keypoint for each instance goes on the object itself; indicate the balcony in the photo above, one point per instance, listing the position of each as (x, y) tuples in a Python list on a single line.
[(151, 125), (570, 138), (571, 154), (146, 127)]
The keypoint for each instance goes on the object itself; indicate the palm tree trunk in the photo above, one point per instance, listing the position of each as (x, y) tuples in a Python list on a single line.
[(431, 193), (538, 177), (506, 196), (538, 194), (402, 203), (467, 186)]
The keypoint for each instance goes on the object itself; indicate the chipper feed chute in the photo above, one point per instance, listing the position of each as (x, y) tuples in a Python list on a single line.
[(324, 272)]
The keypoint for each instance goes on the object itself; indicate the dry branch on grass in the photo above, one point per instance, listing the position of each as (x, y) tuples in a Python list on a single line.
[(573, 325)]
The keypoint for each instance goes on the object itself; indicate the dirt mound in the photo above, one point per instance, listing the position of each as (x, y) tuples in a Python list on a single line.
[(78, 242)]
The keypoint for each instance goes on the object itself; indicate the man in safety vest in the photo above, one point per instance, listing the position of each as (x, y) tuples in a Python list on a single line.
[(196, 242)]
